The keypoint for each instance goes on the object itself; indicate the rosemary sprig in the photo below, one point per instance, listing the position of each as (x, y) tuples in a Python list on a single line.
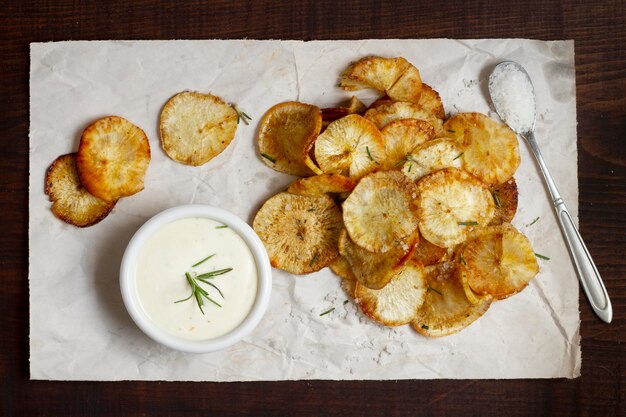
[(345, 302), (425, 327), (463, 260), (327, 311), (269, 158), (198, 292), (241, 115), (408, 157), (533, 222), (468, 223), (538, 255), (313, 259), (204, 260), (497, 199), (434, 290), (458, 156), (369, 154), (212, 274), (223, 226), (451, 131)]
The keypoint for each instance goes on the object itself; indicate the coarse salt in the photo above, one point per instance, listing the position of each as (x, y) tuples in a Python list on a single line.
[(512, 94)]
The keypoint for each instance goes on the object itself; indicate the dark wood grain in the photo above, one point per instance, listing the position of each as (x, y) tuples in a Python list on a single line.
[(599, 31)]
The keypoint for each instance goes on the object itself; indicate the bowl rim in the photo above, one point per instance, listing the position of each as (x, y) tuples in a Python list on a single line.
[(131, 299)]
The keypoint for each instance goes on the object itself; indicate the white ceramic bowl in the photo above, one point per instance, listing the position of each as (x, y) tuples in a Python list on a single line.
[(129, 289)]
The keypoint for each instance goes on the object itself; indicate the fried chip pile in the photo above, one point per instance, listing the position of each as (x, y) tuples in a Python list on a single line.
[(410, 209)]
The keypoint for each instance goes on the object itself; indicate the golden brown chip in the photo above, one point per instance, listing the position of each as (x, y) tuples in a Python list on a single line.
[(432, 156), (341, 267), (384, 114), (431, 102), (384, 100), (397, 303), (322, 184), (402, 136), (490, 148), (379, 213), (373, 270), (300, 233), (428, 254), (112, 158), (446, 309), (505, 196), (71, 202), (354, 106), (451, 203), (396, 76), (349, 286), (196, 127), (498, 261), (285, 131), (350, 146)]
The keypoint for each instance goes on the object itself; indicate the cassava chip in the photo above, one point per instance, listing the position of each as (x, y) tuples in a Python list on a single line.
[(450, 203), (373, 270), (398, 301), (402, 136), (428, 254), (350, 146), (446, 310), (285, 131), (384, 114), (505, 198), (431, 102), (354, 106), (341, 267), (300, 233), (379, 213), (498, 261), (196, 127), (395, 76), (432, 156), (112, 158), (322, 184), (349, 286), (490, 148), (71, 202)]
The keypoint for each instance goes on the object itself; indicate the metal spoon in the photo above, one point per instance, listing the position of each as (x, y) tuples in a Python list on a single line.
[(588, 275)]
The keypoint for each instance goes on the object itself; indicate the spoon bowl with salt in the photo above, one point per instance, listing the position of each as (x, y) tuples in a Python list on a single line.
[(513, 97)]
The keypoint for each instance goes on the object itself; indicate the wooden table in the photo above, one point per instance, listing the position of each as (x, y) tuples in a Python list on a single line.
[(599, 30)]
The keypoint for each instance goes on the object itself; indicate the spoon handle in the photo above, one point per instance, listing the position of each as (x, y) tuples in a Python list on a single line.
[(585, 268)]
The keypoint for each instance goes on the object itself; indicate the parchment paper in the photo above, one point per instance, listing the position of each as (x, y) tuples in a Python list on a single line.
[(79, 329)]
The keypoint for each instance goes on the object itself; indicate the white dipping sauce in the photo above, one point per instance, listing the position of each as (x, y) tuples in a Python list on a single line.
[(160, 278)]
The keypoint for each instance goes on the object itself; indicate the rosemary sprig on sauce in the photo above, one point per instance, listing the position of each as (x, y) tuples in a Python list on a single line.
[(269, 158), (538, 255), (241, 115), (202, 261), (468, 223), (198, 293), (458, 156), (223, 226), (327, 311)]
